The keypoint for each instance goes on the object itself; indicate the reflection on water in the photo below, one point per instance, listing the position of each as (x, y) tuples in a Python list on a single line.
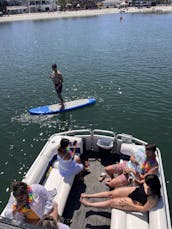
[(58, 122)]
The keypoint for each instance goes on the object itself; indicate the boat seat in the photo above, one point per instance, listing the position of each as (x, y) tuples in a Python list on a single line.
[(128, 220), (62, 186), (130, 148), (157, 216)]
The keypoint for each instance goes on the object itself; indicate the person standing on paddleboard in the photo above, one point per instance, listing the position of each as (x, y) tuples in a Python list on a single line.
[(57, 78)]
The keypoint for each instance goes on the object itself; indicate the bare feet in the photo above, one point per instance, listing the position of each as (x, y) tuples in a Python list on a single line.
[(84, 202), (62, 107), (84, 195)]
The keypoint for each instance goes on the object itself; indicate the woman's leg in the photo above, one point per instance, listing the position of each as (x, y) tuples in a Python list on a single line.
[(102, 204), (122, 192), (97, 195), (124, 203), (118, 192)]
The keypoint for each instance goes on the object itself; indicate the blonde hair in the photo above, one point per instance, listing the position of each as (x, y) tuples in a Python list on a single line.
[(48, 222)]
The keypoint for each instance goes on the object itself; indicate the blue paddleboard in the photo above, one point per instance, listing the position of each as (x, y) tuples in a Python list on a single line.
[(55, 108)]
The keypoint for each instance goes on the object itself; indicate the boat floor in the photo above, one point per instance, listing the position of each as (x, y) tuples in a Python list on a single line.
[(80, 216)]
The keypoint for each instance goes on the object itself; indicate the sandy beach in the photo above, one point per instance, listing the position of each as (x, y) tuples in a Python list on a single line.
[(83, 13)]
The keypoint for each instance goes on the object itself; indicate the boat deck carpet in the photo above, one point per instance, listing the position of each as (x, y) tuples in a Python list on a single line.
[(80, 216)]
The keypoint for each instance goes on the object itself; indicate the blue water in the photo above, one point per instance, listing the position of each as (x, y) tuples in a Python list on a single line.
[(125, 65)]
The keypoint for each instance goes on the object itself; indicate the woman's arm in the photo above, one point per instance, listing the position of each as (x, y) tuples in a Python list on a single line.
[(107, 194), (73, 151)]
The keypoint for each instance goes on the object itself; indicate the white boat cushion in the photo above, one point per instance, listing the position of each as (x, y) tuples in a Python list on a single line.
[(137, 220), (128, 220), (157, 216), (118, 219), (62, 186), (129, 149)]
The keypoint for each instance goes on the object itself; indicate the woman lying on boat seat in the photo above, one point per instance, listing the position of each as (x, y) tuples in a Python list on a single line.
[(29, 203), (141, 198), (69, 161), (134, 170)]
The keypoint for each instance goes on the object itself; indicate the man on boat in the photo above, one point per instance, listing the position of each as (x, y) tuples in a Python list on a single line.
[(29, 203), (139, 171), (57, 78)]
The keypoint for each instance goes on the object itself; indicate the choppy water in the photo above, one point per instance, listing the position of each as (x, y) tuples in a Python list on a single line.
[(126, 66)]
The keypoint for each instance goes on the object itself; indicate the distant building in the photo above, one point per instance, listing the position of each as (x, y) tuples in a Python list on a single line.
[(27, 6), (116, 3), (110, 3)]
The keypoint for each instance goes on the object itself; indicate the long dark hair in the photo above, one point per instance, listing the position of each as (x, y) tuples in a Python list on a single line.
[(153, 182), (151, 147), (64, 143)]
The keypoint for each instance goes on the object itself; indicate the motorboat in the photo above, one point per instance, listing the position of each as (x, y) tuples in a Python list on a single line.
[(100, 148)]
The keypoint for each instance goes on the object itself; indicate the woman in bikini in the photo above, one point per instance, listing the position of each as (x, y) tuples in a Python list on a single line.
[(141, 198)]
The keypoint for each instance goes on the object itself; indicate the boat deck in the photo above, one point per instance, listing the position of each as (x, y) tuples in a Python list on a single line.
[(81, 216)]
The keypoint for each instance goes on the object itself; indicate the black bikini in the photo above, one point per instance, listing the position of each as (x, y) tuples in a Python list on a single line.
[(139, 195)]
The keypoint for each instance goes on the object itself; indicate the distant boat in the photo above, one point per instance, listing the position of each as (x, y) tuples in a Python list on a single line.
[(100, 147)]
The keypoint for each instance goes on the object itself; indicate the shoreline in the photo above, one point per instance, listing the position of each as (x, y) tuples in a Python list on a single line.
[(83, 13)]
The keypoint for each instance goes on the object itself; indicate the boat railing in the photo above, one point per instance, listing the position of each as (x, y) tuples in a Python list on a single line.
[(129, 139), (163, 181), (88, 132), (103, 132), (76, 132), (99, 132)]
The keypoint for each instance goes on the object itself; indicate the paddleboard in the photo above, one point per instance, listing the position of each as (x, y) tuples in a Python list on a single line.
[(55, 108)]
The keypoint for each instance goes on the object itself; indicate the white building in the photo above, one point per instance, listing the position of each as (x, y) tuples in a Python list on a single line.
[(28, 6)]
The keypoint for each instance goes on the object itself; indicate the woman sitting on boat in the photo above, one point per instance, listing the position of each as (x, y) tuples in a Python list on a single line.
[(69, 161), (135, 167), (141, 198), (29, 203)]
